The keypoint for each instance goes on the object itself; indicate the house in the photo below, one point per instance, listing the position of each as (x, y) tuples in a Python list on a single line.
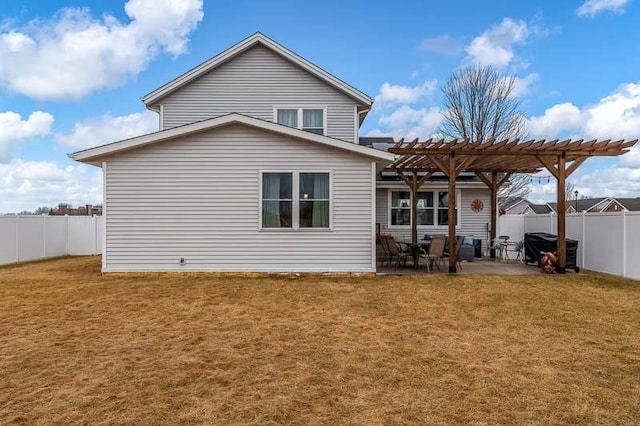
[(65, 209), (516, 205), (258, 167), (620, 204), (589, 205)]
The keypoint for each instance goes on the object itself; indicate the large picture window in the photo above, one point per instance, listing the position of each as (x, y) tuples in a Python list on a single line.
[(432, 208), (296, 200), (308, 119)]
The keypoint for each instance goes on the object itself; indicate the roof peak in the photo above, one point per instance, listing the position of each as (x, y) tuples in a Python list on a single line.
[(244, 45)]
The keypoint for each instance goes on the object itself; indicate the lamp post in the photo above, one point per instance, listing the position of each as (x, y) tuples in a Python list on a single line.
[(576, 194)]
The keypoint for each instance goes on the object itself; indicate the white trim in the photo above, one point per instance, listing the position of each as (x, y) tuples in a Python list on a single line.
[(610, 202), (356, 126), (606, 202), (289, 270), (624, 243), (244, 45), (295, 201), (91, 155), (161, 113), (373, 215), (435, 208), (104, 216)]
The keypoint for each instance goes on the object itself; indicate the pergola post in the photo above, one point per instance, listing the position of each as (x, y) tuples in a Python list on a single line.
[(415, 184), (506, 156), (493, 234), (414, 208), (561, 172), (452, 213)]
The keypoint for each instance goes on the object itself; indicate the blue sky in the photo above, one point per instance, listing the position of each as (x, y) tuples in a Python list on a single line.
[(72, 73)]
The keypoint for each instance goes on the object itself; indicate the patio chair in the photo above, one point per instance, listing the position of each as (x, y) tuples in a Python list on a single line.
[(382, 240), (435, 253), (514, 248), (398, 250), (499, 244)]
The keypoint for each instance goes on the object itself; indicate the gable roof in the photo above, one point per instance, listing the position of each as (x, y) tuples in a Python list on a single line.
[(91, 155), (584, 204), (631, 204), (247, 43), (540, 208)]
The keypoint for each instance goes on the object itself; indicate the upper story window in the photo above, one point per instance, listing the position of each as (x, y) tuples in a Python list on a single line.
[(312, 119)]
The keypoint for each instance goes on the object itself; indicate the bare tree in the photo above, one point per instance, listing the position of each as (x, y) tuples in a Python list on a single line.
[(481, 105)]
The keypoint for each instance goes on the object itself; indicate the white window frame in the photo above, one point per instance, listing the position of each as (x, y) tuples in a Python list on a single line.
[(301, 108), (295, 206), (435, 192)]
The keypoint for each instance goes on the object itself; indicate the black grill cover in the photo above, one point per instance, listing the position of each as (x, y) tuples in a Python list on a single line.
[(535, 242)]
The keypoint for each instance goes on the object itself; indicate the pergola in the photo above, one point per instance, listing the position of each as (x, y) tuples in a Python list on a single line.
[(493, 162)]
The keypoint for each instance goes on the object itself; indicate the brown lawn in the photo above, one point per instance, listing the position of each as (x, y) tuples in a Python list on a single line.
[(77, 347)]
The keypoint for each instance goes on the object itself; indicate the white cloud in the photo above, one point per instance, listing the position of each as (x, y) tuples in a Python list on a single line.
[(593, 7), (26, 185), (393, 94), (616, 116), (611, 181), (409, 123), (556, 120), (74, 54), (495, 45), (13, 128), (444, 44), (90, 133), (524, 85)]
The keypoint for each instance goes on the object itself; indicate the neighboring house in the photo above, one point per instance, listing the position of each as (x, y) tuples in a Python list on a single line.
[(538, 209), (589, 205), (66, 209), (620, 204), (516, 205), (258, 166), (524, 206)]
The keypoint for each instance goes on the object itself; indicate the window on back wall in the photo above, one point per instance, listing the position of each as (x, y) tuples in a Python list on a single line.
[(309, 119), (432, 208), (296, 200)]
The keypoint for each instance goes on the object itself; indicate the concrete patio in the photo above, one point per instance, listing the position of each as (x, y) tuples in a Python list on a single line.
[(478, 267)]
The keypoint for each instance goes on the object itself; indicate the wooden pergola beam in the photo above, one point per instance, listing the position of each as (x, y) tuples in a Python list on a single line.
[(498, 157)]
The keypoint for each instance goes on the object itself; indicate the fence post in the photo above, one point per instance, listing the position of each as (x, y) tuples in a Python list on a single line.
[(95, 235), (624, 243), (66, 234), (584, 237)]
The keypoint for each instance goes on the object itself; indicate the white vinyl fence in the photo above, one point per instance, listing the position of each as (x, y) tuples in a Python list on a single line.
[(607, 242), (24, 238)]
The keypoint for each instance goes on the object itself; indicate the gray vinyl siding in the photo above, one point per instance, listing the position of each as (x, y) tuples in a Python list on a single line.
[(472, 223), (197, 197), (252, 84)]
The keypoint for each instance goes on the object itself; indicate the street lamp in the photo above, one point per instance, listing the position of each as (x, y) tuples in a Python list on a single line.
[(576, 194)]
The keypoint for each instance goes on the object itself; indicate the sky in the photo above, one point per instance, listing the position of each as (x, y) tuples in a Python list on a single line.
[(72, 73)]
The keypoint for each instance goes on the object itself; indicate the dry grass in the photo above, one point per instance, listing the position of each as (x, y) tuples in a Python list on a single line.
[(79, 347)]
